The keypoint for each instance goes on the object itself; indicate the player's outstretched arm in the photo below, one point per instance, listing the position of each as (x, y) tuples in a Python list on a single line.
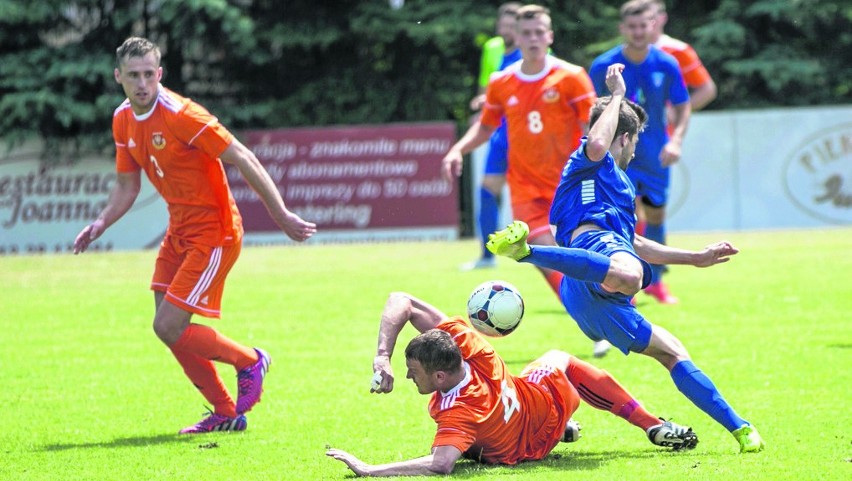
[(656, 253), (123, 194), (258, 178), (476, 135), (441, 461), (400, 308)]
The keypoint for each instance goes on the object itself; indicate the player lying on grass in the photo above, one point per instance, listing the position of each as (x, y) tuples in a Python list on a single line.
[(605, 264), (482, 411)]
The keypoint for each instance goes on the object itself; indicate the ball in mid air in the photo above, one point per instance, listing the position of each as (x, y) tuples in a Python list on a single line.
[(495, 308)]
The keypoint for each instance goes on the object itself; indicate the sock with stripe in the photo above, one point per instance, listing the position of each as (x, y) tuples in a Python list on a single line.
[(208, 343), (206, 379), (489, 211), (579, 264), (600, 390), (657, 233), (699, 389)]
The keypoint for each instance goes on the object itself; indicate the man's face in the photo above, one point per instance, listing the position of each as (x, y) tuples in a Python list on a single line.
[(637, 30), (629, 150), (425, 382), (534, 37), (506, 28), (139, 77)]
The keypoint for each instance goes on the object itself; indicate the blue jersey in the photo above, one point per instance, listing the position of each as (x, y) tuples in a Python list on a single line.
[(510, 58), (652, 84), (593, 192)]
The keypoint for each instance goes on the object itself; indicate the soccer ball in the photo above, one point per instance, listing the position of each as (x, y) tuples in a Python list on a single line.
[(495, 308)]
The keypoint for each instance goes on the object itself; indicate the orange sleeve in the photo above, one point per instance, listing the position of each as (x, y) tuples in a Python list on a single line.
[(492, 111), (582, 95), (470, 342), (694, 72), (198, 128), (455, 429), (124, 163)]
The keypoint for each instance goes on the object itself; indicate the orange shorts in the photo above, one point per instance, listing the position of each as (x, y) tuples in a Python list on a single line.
[(193, 275), (536, 213), (566, 400)]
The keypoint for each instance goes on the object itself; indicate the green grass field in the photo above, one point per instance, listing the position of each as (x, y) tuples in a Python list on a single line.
[(93, 395)]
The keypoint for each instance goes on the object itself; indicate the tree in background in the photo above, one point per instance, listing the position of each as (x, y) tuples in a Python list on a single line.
[(266, 63)]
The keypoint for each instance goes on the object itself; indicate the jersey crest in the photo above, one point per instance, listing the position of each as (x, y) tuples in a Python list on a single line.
[(550, 95), (158, 141)]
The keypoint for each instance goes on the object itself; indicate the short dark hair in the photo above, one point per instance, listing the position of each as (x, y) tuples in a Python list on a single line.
[(532, 11), (435, 351), (136, 47), (634, 7), (509, 8), (631, 116)]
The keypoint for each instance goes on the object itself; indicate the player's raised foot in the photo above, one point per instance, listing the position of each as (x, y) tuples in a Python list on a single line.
[(671, 435), (601, 348), (216, 422), (481, 263), (572, 432), (660, 292), (250, 382), (511, 241), (749, 439)]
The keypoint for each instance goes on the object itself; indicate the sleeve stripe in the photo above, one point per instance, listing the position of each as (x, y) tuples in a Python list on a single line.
[(212, 121)]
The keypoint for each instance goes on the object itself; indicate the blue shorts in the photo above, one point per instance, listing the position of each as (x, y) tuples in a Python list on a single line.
[(651, 182), (498, 152), (602, 314)]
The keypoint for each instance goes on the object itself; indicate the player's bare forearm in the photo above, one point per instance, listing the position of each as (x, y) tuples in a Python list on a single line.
[(121, 199), (476, 135), (400, 308), (441, 461), (702, 95), (259, 180), (656, 253)]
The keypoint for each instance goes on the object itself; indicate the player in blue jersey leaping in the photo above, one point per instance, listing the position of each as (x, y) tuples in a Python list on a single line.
[(605, 263)]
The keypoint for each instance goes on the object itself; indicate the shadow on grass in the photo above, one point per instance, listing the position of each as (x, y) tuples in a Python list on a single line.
[(134, 441)]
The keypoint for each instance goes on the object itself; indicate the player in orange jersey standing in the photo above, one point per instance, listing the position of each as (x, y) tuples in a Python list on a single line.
[(482, 411), (546, 103), (181, 147)]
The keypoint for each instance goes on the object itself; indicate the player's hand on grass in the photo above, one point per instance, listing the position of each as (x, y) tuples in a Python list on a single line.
[(715, 254), (297, 228), (356, 465), (87, 235), (382, 375)]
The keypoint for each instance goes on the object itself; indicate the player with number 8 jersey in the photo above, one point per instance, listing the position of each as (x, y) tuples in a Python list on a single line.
[(546, 113)]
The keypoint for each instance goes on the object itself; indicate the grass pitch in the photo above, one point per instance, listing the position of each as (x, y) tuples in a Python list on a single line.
[(91, 394)]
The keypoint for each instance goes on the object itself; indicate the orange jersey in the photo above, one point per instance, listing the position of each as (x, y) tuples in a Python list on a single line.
[(545, 113), (178, 144), (492, 416), (694, 73)]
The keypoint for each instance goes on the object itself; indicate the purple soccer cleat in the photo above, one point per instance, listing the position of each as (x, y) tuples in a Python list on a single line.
[(250, 382), (216, 422)]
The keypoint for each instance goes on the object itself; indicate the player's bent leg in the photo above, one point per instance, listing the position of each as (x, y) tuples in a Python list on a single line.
[(170, 322), (625, 274)]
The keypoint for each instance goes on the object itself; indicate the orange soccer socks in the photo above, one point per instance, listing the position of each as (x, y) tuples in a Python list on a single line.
[(208, 343), (204, 376), (554, 278), (599, 389)]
